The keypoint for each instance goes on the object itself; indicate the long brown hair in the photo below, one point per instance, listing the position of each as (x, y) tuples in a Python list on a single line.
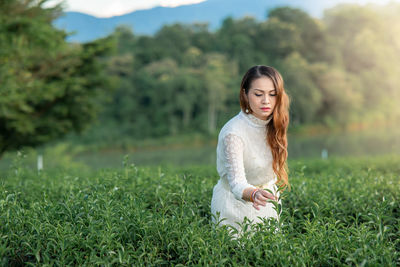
[(277, 126)]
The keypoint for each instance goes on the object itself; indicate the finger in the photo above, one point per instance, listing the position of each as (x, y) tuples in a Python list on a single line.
[(260, 197), (268, 195), (261, 201)]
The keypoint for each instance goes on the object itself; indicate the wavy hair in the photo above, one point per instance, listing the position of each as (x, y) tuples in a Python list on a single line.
[(277, 126)]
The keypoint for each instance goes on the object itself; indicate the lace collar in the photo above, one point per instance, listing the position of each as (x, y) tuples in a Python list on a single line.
[(254, 121)]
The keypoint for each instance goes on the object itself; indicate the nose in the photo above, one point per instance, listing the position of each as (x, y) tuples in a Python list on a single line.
[(265, 99)]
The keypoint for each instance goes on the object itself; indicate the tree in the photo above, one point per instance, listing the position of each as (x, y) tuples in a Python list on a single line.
[(218, 71), (299, 83), (277, 39), (236, 38), (47, 86), (312, 43), (365, 38), (176, 37), (342, 99)]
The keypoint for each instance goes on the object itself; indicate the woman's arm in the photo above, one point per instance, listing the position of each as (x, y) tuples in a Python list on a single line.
[(242, 190), (233, 148)]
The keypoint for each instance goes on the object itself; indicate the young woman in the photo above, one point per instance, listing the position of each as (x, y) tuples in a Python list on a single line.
[(252, 151)]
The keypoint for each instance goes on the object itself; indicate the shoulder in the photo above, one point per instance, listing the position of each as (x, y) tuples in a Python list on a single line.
[(234, 126)]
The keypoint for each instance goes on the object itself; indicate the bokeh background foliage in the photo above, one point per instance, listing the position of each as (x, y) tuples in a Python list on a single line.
[(341, 71)]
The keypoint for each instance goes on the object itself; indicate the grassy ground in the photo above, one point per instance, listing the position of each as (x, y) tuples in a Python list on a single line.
[(341, 211)]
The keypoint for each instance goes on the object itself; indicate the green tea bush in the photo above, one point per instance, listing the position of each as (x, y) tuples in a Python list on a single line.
[(340, 212)]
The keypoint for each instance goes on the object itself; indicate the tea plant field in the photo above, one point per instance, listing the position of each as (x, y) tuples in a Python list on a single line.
[(340, 212)]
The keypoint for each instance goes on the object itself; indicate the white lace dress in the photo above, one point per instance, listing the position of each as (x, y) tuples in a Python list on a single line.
[(243, 160)]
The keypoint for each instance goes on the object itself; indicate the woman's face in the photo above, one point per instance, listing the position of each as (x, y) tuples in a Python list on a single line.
[(262, 97)]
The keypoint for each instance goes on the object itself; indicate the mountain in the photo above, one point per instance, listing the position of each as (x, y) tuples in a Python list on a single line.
[(147, 22)]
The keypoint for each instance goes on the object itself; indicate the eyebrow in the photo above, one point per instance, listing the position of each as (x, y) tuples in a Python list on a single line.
[(263, 90)]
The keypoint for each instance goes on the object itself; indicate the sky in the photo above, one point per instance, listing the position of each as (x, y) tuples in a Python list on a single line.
[(109, 8)]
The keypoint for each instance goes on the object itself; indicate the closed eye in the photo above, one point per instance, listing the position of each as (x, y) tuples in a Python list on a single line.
[(258, 95)]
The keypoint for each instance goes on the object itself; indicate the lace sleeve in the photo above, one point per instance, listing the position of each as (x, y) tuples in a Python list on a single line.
[(233, 152)]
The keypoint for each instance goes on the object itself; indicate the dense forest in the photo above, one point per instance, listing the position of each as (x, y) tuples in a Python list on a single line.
[(340, 70)]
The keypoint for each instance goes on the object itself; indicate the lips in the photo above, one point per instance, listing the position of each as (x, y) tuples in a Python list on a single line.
[(265, 109)]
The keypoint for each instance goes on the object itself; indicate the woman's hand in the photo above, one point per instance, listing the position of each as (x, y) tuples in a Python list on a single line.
[(261, 197)]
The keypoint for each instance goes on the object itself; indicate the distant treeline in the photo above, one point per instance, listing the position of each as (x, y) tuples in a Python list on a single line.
[(340, 69)]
